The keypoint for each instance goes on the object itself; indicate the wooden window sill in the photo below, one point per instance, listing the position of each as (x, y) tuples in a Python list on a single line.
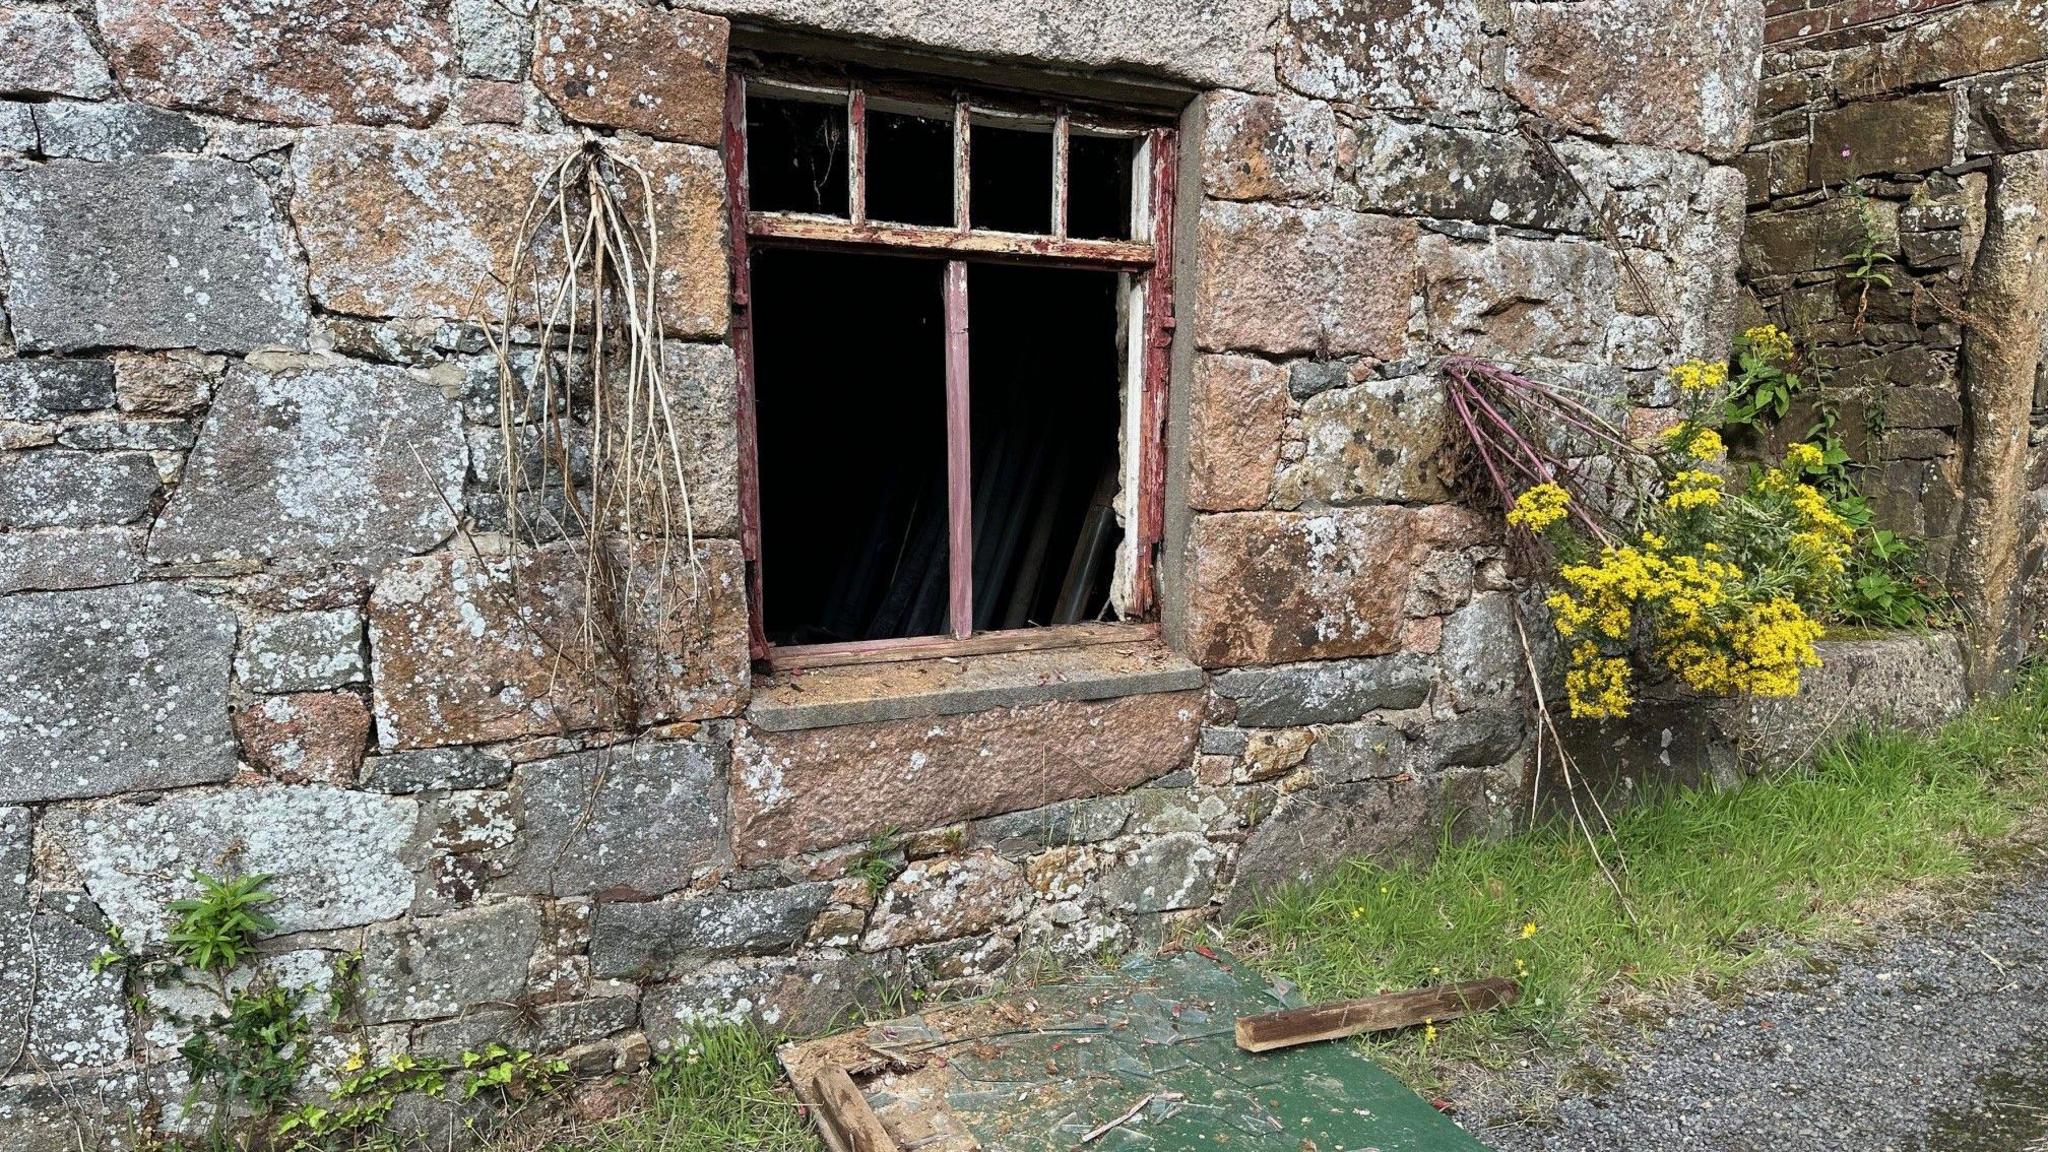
[(791, 699)]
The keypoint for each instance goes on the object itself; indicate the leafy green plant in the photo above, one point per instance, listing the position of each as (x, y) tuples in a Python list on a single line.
[(1884, 589), (1865, 264), (1761, 388), (254, 1054), (218, 928), (878, 863)]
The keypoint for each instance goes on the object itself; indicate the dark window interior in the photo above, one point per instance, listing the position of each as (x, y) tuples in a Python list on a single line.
[(910, 169), (1043, 359), (1099, 186), (850, 396), (796, 156), (1011, 176)]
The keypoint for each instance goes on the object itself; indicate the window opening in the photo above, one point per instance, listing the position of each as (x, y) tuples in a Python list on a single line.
[(910, 168), (1010, 169), (952, 325), (1100, 180), (798, 156)]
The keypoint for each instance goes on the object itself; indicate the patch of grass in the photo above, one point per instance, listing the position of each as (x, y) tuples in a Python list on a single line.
[(1719, 882), (723, 1094)]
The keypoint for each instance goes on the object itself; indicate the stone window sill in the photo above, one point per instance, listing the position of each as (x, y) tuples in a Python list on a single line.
[(787, 701)]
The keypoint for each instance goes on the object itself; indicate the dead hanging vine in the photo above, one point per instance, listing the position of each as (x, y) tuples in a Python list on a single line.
[(591, 447)]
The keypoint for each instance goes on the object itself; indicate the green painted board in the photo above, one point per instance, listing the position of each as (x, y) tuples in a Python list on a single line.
[(1044, 1067)]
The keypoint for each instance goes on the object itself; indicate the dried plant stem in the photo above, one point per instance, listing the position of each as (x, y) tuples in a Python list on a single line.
[(592, 421)]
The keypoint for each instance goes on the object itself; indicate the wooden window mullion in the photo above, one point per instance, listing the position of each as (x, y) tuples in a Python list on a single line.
[(857, 156), (959, 457)]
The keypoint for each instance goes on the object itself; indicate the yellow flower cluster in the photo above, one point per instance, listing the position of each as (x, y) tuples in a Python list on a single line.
[(1759, 652), (1702, 444), (1824, 539), (1693, 488), (1596, 686), (1602, 604), (1768, 342), (1539, 507), (1699, 376), (1801, 458)]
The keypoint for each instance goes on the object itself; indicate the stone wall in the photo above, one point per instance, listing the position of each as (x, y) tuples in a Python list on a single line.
[(1875, 122), (255, 611)]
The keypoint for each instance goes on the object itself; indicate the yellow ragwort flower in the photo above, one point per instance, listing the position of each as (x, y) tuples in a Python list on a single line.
[(1693, 488), (1768, 342), (1539, 507), (1699, 376), (1803, 458)]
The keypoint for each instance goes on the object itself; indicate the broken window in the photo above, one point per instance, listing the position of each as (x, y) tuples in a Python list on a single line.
[(952, 315)]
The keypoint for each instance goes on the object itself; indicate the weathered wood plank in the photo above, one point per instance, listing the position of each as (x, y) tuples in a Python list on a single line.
[(1341, 1018)]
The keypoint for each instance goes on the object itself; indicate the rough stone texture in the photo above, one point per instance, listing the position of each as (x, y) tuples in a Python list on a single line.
[(154, 252), (1219, 43), (1481, 661), (317, 461), (439, 967), (1384, 821), (302, 651), (1386, 53), (1325, 691), (112, 689), (1512, 299), (1423, 169), (668, 937), (703, 382), (63, 558), (463, 653), (308, 737), (113, 131), (551, 1028), (335, 856), (1266, 147), (1905, 680), (1627, 70), (1907, 135), (1806, 239), (783, 996), (639, 820), (1290, 280), (1383, 440), (435, 769), (55, 1012), (60, 488), (622, 65), (1969, 40), (944, 898), (1267, 588), (308, 62), (53, 389), (794, 791), (1175, 871), (177, 383), (417, 224), (496, 37), (49, 54), (1238, 414)]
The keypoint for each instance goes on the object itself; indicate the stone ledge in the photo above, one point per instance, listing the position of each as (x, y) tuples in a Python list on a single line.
[(952, 686)]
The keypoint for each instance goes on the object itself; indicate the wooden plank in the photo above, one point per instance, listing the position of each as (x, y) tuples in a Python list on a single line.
[(743, 355), (936, 647), (842, 1109), (1341, 1018), (959, 457), (1159, 325), (1061, 137), (798, 230), (857, 150)]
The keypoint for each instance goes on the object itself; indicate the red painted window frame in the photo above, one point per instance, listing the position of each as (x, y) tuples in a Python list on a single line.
[(1149, 260)]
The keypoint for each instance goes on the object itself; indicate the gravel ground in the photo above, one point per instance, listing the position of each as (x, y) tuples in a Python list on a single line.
[(1932, 1039)]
